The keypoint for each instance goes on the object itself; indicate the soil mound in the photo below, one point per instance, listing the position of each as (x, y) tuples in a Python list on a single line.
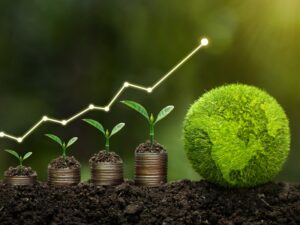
[(148, 147), (61, 163), (103, 156), (20, 171)]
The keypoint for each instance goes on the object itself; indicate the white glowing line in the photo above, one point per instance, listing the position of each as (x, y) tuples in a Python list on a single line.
[(78, 115), (116, 96), (54, 120), (203, 42), (32, 129), (176, 67)]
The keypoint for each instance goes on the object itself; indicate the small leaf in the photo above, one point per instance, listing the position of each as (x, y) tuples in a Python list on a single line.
[(55, 138), (117, 128), (137, 107), (164, 112), (72, 141), (95, 124), (12, 152), (27, 155)]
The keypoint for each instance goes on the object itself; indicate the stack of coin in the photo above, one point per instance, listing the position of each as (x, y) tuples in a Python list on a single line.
[(150, 168), (63, 176), (106, 173)]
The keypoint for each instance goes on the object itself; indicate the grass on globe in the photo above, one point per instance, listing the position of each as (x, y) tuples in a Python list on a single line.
[(237, 136)]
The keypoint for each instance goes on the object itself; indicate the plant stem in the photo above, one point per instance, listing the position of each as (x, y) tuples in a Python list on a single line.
[(21, 163), (107, 145), (64, 154), (151, 133)]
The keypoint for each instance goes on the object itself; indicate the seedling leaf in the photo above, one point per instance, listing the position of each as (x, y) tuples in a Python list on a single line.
[(95, 124), (117, 128), (14, 153), (55, 138), (137, 107), (27, 155), (164, 112), (72, 141)]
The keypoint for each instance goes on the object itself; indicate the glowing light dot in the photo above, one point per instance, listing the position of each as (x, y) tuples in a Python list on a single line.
[(2, 134), (204, 41), (106, 109), (149, 90), (45, 118), (64, 122), (20, 140), (126, 84), (91, 106)]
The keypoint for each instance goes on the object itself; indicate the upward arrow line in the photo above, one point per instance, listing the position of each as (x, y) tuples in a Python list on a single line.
[(64, 122)]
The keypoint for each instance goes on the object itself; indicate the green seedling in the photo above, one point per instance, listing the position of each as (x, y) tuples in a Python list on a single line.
[(151, 119), (19, 157), (106, 132), (64, 145)]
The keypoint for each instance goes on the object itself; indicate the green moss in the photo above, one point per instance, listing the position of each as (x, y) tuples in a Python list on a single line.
[(237, 135)]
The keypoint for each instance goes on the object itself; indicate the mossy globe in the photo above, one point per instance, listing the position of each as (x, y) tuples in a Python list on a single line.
[(237, 136)]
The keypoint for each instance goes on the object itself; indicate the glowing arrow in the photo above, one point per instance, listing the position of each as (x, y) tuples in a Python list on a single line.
[(203, 42)]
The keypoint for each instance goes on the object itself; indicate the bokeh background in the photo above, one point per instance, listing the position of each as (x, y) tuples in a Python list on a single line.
[(58, 56)]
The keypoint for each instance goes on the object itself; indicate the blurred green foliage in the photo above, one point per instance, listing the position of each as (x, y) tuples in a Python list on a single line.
[(56, 57)]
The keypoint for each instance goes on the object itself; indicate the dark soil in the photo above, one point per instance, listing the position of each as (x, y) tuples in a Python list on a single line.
[(148, 147), (19, 171), (61, 163), (182, 202), (103, 156)]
